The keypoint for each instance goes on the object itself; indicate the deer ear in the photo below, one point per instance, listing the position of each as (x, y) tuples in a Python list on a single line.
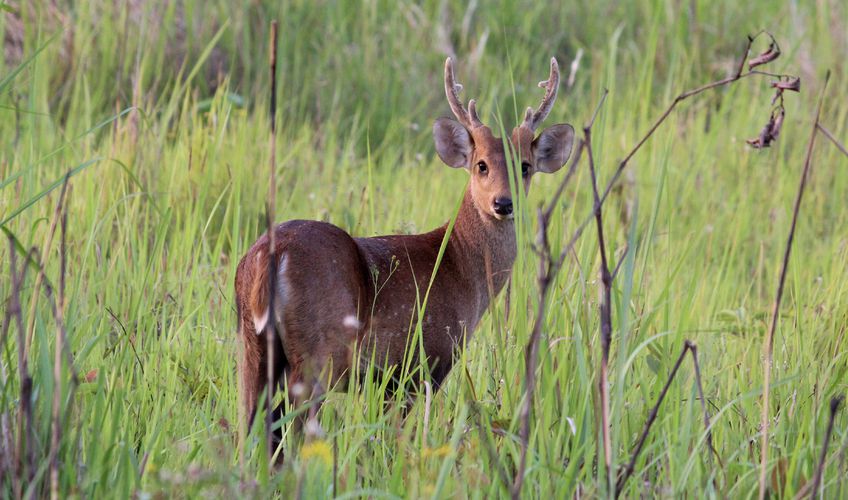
[(553, 147), (453, 142)]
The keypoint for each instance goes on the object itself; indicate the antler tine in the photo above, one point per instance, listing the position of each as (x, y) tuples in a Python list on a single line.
[(472, 113), (533, 118), (467, 117)]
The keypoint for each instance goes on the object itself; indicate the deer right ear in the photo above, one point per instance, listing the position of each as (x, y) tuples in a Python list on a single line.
[(453, 142)]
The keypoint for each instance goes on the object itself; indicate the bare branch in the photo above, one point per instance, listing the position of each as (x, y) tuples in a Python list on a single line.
[(490, 446), (40, 277), (23, 448), (620, 262), (546, 273), (270, 327), (652, 415), (59, 317), (769, 342), (832, 138), (605, 308), (834, 407)]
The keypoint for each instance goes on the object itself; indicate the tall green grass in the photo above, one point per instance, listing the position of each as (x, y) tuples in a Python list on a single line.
[(159, 111)]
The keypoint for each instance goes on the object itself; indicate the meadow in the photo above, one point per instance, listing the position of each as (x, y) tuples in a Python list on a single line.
[(159, 113)]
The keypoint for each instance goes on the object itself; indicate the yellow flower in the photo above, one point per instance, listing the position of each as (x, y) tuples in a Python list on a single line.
[(442, 451), (319, 449)]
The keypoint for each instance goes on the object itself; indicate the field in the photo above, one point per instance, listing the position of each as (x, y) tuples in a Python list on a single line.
[(159, 111)]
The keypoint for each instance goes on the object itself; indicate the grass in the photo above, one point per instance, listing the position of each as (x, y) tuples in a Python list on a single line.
[(161, 114)]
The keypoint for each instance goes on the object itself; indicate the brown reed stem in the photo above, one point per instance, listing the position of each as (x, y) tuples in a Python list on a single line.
[(604, 307), (652, 415), (832, 138), (270, 328), (56, 428), (834, 407), (768, 346)]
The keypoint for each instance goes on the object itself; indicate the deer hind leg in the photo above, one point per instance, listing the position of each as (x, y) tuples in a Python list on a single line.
[(255, 318), (254, 370)]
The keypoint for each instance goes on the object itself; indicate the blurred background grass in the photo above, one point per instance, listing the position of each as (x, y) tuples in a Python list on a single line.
[(160, 110)]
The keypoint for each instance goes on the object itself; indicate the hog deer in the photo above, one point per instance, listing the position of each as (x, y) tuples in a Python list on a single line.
[(337, 297)]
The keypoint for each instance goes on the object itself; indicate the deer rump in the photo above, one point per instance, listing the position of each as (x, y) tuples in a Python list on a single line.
[(337, 297)]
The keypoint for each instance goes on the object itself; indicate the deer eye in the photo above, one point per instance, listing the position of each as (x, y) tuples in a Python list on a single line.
[(482, 167), (525, 168)]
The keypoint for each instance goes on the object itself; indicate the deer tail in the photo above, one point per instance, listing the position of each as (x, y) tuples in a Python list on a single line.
[(260, 299)]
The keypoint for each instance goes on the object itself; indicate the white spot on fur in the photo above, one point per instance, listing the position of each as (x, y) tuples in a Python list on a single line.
[(313, 428), (283, 288), (259, 322), (350, 321)]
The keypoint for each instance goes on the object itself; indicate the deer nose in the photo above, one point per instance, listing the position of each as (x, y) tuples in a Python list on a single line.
[(503, 206)]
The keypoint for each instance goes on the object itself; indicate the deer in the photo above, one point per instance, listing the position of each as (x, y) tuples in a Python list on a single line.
[(329, 297)]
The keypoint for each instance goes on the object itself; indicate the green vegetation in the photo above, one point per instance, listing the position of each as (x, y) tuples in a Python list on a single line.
[(160, 112)]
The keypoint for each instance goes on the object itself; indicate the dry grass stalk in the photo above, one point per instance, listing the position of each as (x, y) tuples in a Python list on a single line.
[(270, 329), (827, 133), (690, 347), (834, 408), (768, 346), (24, 459), (604, 305), (59, 314)]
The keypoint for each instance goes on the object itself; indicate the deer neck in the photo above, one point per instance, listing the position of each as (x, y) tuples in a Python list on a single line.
[(484, 249)]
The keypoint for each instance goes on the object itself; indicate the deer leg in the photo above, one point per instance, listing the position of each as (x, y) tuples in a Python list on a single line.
[(253, 371), (251, 366)]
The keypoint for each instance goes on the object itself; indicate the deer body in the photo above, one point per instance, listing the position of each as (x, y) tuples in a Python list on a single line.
[(337, 297)]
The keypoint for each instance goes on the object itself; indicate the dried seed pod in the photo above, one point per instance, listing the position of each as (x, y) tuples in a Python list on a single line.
[(770, 131), (777, 124), (772, 53), (792, 83)]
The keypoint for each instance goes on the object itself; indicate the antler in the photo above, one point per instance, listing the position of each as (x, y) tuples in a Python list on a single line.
[(532, 119), (467, 117)]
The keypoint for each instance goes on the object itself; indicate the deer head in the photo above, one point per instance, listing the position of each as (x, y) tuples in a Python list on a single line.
[(467, 143)]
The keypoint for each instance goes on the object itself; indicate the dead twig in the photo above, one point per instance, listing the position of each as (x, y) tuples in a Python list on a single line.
[(547, 271), (40, 277), (23, 450), (604, 302), (833, 139), (834, 407), (494, 458), (270, 328), (690, 347), (769, 341), (59, 314), (128, 336), (620, 262)]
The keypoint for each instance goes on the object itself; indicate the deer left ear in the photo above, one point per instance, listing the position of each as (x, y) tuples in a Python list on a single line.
[(453, 142), (553, 147)]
